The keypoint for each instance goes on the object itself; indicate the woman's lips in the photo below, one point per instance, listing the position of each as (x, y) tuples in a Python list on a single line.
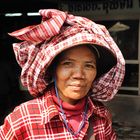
[(76, 87)]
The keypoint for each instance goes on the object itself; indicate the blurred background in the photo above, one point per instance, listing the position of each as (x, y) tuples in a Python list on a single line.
[(121, 18)]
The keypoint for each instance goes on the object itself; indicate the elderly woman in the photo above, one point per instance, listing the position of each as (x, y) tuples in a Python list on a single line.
[(70, 65)]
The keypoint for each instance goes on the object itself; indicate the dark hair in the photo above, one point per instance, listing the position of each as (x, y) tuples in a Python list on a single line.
[(106, 60)]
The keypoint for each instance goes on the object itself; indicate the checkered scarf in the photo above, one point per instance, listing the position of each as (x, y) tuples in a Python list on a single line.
[(57, 32)]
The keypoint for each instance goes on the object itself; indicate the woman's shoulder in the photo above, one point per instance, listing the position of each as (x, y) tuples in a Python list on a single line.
[(33, 106), (27, 109), (101, 110)]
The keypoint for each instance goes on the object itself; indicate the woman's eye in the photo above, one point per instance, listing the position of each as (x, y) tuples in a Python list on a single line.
[(90, 66), (67, 63)]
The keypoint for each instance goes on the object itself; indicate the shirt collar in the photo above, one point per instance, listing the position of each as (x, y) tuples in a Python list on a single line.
[(49, 109), (98, 109)]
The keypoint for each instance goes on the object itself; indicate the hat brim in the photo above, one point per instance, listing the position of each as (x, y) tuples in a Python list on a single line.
[(105, 59)]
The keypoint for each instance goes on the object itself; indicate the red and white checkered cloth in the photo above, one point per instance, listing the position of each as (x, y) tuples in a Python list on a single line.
[(58, 31)]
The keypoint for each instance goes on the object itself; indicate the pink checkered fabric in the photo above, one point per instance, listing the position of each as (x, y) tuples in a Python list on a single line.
[(57, 32)]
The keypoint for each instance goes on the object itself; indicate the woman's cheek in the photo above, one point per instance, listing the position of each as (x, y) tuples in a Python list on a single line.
[(63, 73)]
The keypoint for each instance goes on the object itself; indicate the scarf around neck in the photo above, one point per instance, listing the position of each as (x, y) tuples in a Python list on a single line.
[(74, 113)]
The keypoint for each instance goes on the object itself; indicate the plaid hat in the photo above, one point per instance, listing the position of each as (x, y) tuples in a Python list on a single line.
[(57, 32)]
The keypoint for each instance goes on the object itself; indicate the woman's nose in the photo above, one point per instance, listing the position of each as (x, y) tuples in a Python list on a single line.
[(78, 72)]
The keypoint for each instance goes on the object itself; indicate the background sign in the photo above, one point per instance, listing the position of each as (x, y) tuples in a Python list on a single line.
[(98, 7)]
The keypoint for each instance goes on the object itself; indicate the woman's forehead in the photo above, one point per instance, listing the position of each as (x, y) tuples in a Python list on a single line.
[(81, 50)]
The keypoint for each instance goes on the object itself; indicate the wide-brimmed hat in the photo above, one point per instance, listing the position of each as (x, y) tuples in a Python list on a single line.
[(57, 32)]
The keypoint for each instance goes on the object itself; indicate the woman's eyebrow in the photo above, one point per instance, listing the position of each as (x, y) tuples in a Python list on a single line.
[(67, 58), (71, 59)]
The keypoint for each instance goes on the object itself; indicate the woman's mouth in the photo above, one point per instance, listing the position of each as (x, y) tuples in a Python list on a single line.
[(76, 87)]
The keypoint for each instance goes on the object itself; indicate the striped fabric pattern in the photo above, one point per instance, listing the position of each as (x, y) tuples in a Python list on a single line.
[(57, 31)]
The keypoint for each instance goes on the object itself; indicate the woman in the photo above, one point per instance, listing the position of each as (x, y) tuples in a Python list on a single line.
[(69, 64)]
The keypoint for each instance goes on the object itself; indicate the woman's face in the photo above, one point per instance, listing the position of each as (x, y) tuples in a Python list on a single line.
[(75, 72)]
